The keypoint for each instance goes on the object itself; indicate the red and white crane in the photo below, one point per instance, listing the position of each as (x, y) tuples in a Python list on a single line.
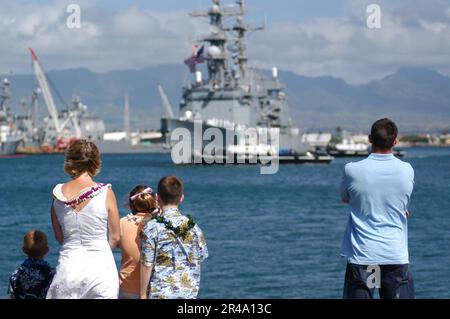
[(63, 136), (46, 93)]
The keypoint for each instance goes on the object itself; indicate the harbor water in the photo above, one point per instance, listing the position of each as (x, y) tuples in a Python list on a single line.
[(269, 236)]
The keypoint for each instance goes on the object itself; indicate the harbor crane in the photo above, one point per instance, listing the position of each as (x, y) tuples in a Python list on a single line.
[(62, 131)]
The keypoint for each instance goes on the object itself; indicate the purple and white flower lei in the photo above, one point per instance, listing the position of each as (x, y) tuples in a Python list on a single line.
[(91, 193)]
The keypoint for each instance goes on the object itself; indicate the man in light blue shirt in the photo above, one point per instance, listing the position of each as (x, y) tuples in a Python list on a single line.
[(378, 191)]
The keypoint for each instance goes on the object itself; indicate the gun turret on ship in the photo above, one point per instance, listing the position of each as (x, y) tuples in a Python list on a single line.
[(235, 97)]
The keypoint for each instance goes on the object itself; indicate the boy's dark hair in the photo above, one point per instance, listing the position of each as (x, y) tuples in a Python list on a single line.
[(170, 190), (383, 134), (35, 244)]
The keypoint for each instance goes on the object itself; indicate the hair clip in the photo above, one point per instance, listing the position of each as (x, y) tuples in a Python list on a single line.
[(145, 191)]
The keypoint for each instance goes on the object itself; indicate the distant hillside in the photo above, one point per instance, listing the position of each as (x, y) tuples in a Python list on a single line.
[(419, 99)]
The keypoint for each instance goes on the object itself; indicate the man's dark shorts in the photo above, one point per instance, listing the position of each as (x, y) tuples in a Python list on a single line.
[(394, 281)]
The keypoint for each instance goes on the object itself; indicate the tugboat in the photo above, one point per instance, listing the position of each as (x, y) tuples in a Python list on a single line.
[(349, 146), (234, 99), (10, 137)]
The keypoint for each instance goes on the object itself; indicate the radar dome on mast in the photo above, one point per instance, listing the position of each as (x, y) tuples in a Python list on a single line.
[(215, 9), (214, 51)]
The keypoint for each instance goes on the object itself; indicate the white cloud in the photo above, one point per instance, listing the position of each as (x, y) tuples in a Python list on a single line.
[(415, 34), (436, 27), (106, 41)]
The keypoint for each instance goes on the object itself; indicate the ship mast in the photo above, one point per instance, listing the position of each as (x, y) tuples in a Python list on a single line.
[(242, 29), (217, 57), (216, 53), (78, 108), (35, 107), (4, 98)]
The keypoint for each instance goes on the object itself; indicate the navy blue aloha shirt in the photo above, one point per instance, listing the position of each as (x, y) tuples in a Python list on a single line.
[(31, 280)]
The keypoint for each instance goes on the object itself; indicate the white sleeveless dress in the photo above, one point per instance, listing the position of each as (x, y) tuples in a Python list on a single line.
[(86, 268)]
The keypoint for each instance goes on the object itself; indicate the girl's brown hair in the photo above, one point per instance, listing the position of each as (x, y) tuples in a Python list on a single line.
[(142, 200), (35, 244), (82, 157)]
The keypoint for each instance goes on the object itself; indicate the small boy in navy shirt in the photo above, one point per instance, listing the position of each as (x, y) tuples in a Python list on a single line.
[(32, 278)]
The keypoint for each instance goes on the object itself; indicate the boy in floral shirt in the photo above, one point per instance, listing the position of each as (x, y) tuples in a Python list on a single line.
[(172, 248), (33, 277)]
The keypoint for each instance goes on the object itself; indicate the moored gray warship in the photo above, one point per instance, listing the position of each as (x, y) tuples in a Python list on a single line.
[(235, 97)]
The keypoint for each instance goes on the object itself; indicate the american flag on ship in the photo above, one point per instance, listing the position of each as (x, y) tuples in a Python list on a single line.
[(196, 58)]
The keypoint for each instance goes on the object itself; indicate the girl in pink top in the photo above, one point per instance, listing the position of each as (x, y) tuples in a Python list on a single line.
[(143, 205)]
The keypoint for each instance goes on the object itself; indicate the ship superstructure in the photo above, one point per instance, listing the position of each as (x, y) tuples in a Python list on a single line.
[(233, 96), (10, 136)]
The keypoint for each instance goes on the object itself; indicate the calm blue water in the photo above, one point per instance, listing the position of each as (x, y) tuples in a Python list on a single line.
[(269, 236)]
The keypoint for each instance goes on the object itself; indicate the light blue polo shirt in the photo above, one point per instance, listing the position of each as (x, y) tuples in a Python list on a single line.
[(379, 190)]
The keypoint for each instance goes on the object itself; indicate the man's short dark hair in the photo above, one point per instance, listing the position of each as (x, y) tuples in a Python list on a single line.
[(170, 190), (384, 133)]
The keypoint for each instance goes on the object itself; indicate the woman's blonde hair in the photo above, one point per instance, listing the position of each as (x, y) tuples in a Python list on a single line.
[(82, 157), (142, 200)]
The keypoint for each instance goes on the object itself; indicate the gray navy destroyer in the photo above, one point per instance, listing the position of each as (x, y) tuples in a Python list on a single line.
[(235, 97)]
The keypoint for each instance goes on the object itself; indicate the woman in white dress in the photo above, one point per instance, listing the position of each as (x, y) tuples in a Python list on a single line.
[(85, 220)]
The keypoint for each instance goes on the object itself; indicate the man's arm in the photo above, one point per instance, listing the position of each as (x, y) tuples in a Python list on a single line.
[(408, 210), (345, 197), (148, 252), (202, 248), (146, 272)]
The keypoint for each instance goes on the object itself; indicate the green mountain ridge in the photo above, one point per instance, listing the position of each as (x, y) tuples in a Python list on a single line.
[(418, 99)]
